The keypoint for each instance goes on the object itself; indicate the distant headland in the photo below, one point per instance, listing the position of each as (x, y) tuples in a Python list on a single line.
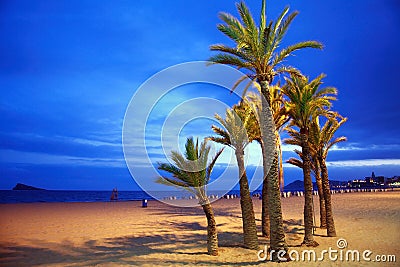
[(25, 187)]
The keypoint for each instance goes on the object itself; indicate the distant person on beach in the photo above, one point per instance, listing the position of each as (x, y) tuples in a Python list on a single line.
[(114, 195)]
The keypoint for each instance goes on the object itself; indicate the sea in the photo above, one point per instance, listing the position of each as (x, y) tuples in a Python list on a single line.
[(36, 196), (43, 196)]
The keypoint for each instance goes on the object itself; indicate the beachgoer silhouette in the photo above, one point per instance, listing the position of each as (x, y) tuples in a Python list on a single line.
[(114, 194)]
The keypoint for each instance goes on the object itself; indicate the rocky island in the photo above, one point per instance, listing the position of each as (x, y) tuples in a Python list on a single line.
[(25, 187)]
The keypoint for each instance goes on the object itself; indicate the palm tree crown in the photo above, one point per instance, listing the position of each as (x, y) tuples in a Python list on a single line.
[(257, 46), (191, 171), (321, 138), (306, 100), (235, 124)]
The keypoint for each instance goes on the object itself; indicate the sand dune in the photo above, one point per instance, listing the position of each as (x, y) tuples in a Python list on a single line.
[(124, 234)]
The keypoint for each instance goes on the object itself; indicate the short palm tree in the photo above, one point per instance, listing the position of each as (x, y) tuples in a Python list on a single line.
[(256, 51), (192, 172), (305, 100), (321, 140), (235, 136)]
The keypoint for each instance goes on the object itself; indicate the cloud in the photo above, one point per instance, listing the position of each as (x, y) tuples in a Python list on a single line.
[(92, 142), (356, 163), (359, 146), (363, 163), (22, 157)]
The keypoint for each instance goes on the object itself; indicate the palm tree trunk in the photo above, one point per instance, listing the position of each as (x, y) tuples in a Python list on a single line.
[(265, 222), (322, 208), (330, 224), (267, 127), (246, 203), (308, 192), (277, 234), (212, 236)]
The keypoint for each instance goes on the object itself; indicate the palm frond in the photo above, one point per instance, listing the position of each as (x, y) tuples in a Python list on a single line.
[(284, 53), (233, 27), (295, 162), (212, 163), (283, 27), (228, 60), (246, 17), (191, 171), (263, 18), (239, 81), (288, 70), (219, 140), (229, 50), (175, 183), (334, 142)]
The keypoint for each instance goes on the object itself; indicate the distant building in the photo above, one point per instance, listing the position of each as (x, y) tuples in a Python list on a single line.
[(394, 181), (375, 181), (380, 180), (370, 179), (358, 183)]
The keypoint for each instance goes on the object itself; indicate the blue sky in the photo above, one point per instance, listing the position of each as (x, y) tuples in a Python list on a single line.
[(69, 69)]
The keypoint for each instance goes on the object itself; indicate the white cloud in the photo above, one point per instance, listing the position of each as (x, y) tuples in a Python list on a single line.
[(92, 142), (363, 162), (356, 163), (359, 147), (286, 147)]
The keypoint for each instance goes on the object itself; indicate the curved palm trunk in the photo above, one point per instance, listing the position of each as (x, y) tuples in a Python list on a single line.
[(308, 192), (246, 203), (322, 208), (265, 222), (330, 224), (267, 127), (212, 237)]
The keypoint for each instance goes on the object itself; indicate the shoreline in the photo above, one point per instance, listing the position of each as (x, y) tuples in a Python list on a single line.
[(173, 198)]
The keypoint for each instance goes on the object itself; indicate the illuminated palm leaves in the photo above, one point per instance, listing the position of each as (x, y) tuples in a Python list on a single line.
[(306, 100), (256, 47), (190, 171)]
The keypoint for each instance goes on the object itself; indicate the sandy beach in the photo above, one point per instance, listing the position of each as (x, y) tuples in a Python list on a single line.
[(124, 234)]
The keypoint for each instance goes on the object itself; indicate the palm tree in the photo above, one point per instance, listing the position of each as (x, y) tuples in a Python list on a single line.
[(256, 51), (315, 169), (192, 172), (321, 141), (306, 101), (235, 136), (280, 119)]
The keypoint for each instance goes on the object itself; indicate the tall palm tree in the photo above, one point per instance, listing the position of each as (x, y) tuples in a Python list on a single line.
[(256, 51), (235, 136), (192, 172), (322, 139), (305, 101), (315, 169), (280, 119)]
